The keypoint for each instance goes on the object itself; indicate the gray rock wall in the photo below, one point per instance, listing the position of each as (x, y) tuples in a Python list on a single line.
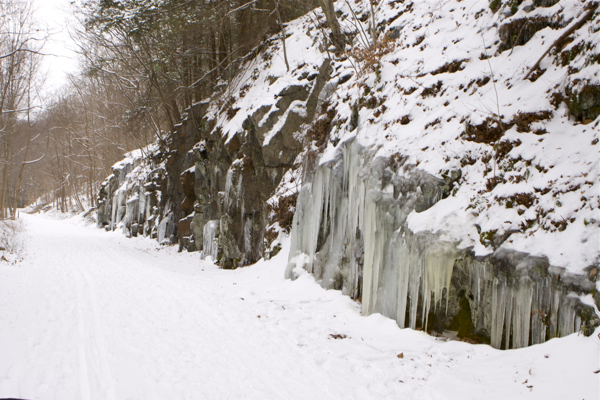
[(202, 176), (129, 199)]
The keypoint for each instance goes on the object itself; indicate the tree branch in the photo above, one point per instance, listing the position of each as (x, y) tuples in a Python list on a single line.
[(561, 39)]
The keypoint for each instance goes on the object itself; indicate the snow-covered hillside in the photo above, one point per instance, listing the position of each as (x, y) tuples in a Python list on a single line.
[(446, 97), (451, 152), (448, 157)]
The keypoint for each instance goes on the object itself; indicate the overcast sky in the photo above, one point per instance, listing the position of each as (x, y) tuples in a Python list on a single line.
[(61, 59)]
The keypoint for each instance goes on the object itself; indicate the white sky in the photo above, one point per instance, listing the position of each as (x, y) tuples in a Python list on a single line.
[(61, 59)]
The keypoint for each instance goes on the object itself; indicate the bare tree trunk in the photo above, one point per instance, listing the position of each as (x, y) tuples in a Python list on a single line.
[(222, 51), (282, 32), (20, 178), (91, 179), (338, 38), (373, 25), (22, 168), (5, 174), (74, 192)]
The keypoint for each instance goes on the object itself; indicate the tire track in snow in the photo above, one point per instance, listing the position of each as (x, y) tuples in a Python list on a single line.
[(179, 331), (99, 335), (105, 377), (117, 273), (84, 378)]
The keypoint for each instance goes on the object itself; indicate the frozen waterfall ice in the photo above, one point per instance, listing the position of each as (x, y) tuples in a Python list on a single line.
[(350, 232)]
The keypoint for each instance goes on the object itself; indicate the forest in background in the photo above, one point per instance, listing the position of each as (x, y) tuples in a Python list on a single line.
[(143, 63)]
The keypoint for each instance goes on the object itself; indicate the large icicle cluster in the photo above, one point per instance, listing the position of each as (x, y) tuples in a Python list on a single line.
[(350, 231), (533, 310)]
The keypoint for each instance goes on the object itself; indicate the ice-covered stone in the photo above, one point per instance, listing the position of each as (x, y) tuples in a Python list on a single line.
[(211, 241), (350, 232)]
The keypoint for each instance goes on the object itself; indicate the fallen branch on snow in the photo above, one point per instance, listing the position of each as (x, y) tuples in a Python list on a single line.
[(561, 39)]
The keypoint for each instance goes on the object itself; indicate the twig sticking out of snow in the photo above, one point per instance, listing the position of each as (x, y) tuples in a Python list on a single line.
[(561, 39)]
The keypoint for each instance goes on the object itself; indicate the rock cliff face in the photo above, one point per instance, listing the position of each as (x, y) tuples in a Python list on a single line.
[(203, 180), (426, 176)]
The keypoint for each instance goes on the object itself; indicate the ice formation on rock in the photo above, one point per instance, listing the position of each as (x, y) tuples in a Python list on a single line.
[(211, 241), (128, 198), (350, 231), (349, 221)]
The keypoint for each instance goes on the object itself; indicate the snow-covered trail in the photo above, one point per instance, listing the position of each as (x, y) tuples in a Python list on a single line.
[(93, 315)]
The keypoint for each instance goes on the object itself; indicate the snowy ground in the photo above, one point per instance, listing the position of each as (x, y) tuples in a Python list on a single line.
[(94, 315)]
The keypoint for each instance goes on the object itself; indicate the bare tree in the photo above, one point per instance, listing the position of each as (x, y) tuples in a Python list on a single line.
[(337, 37), (20, 44)]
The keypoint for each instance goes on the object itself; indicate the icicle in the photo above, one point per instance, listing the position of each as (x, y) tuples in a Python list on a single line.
[(162, 228), (404, 260), (389, 282), (414, 285), (142, 208), (499, 300), (247, 250), (555, 299), (131, 210), (481, 278), (312, 201), (355, 189), (438, 264), (210, 240), (118, 208), (113, 217), (230, 190), (522, 314), (566, 317), (508, 318), (541, 305), (371, 247)]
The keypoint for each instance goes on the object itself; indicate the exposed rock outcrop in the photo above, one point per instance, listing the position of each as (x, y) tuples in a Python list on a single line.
[(437, 186), (203, 175)]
